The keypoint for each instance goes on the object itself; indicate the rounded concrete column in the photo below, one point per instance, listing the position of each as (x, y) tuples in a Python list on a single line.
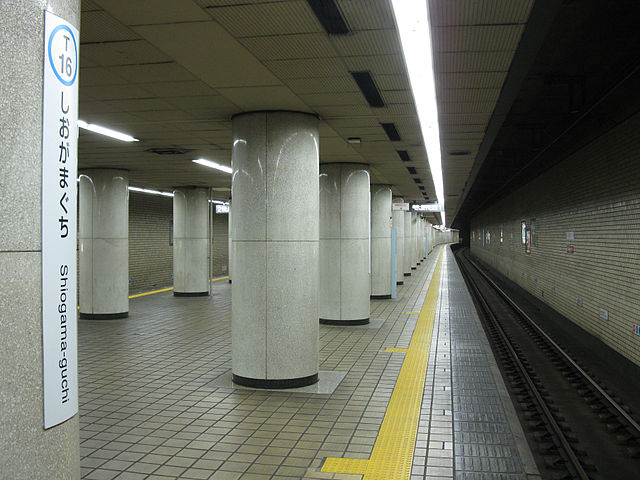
[(398, 224), (27, 450), (381, 218), (191, 242), (230, 244), (345, 285), (415, 227), (103, 244), (275, 249), (408, 245)]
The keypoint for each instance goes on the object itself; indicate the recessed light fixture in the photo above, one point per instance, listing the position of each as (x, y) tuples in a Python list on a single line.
[(106, 131), (210, 164), (412, 18), (354, 140), (391, 131), (368, 87), (329, 16)]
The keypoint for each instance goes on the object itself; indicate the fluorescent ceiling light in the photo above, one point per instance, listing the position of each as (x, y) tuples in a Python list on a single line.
[(210, 164), (151, 192), (106, 131), (412, 18), (218, 202)]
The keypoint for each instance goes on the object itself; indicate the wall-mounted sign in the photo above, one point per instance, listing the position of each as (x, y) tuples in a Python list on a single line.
[(222, 208), (400, 207), (523, 232), (604, 314), (571, 235), (527, 245), (59, 221), (570, 249), (427, 207)]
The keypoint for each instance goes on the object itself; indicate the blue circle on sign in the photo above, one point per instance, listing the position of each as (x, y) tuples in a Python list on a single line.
[(68, 83)]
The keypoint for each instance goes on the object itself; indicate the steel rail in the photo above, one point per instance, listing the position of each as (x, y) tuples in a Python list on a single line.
[(593, 383)]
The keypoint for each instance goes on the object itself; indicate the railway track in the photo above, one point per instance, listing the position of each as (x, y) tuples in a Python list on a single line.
[(576, 428)]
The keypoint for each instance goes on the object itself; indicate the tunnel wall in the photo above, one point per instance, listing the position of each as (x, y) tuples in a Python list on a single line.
[(584, 221)]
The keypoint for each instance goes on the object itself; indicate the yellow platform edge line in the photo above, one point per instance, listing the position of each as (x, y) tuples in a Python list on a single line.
[(392, 454), (394, 349), (412, 313), (144, 294)]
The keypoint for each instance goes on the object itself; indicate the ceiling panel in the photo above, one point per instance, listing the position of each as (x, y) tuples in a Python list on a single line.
[(122, 53), (476, 12), (150, 12), (228, 64), (99, 26), (280, 47), (262, 19), (367, 14)]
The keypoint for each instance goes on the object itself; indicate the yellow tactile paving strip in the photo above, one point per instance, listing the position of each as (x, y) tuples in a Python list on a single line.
[(144, 294), (392, 454)]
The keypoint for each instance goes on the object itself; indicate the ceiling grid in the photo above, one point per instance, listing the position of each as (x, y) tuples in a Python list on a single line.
[(173, 75)]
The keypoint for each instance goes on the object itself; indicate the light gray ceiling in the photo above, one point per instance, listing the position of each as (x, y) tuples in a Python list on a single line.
[(173, 72)]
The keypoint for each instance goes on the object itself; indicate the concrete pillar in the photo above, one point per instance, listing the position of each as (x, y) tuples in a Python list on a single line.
[(275, 249), (26, 449), (191, 242), (398, 224), (381, 219), (408, 249), (230, 244), (103, 244), (416, 238), (344, 244)]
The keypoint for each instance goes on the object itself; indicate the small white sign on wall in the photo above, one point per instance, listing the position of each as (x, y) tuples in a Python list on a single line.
[(571, 235), (59, 220)]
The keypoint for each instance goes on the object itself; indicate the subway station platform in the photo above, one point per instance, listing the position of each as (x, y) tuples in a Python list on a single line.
[(416, 394)]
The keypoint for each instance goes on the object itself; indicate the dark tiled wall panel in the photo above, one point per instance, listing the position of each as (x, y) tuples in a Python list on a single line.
[(595, 193), (220, 245), (150, 254)]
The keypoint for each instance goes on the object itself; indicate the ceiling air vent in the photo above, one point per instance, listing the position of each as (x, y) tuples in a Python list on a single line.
[(368, 88), (421, 187), (412, 170), (391, 131), (168, 150), (329, 16), (404, 155), (459, 153), (417, 180)]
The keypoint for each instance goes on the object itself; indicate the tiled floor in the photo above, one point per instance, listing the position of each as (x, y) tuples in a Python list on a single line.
[(149, 410)]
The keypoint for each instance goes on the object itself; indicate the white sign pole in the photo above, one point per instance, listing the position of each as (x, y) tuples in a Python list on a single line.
[(59, 220)]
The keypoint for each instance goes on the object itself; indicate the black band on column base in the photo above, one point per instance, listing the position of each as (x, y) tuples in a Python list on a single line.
[(229, 280), (344, 323), (413, 268), (275, 383), (380, 297), (399, 283), (407, 274), (103, 316), (190, 294)]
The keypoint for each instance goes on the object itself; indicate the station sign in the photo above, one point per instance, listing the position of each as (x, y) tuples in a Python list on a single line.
[(59, 220), (427, 207), (400, 207)]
